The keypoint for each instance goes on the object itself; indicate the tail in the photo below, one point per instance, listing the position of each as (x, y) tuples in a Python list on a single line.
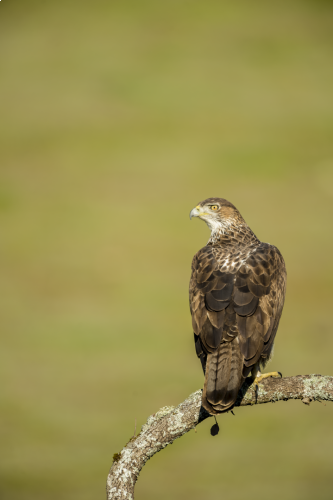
[(223, 378)]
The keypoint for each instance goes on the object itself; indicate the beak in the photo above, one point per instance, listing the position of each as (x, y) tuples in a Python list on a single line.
[(195, 212)]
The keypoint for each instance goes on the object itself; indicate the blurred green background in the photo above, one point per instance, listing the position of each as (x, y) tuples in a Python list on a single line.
[(117, 118)]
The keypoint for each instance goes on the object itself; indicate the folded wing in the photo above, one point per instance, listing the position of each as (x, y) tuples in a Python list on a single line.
[(235, 314)]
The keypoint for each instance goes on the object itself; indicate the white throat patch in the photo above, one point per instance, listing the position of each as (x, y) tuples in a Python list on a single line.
[(217, 228)]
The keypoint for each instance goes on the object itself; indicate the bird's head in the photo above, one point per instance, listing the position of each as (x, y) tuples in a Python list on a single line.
[(218, 213)]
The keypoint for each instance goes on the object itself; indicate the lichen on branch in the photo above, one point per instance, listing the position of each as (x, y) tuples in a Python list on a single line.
[(170, 423)]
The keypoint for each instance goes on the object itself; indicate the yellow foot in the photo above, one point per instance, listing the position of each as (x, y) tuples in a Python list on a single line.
[(261, 377)]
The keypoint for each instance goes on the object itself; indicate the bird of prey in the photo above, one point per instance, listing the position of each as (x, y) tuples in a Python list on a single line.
[(237, 291)]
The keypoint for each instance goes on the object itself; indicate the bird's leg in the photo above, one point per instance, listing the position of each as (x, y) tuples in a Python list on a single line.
[(258, 377)]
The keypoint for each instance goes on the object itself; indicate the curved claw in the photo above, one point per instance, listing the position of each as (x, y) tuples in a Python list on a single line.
[(261, 377), (256, 391)]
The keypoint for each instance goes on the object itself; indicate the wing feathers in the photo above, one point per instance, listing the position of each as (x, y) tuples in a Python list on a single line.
[(235, 316), (247, 309), (210, 336), (215, 305), (216, 318), (223, 293)]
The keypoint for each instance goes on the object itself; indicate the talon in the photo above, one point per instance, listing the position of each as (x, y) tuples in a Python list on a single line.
[(261, 377), (256, 392)]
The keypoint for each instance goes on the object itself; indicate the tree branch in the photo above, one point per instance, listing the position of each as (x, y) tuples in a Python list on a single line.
[(170, 423)]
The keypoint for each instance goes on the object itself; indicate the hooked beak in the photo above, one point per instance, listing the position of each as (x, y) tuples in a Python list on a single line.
[(195, 212)]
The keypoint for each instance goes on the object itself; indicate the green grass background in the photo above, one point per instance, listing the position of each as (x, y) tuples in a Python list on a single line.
[(117, 118)]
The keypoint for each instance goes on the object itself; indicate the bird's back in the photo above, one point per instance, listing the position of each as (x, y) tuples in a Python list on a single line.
[(237, 291)]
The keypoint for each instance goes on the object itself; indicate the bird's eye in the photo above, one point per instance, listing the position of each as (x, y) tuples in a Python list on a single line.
[(214, 207)]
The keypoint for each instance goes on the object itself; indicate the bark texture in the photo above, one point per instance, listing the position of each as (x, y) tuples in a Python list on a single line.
[(170, 423)]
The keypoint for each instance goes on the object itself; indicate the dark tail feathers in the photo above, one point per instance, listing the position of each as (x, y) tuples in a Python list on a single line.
[(223, 378)]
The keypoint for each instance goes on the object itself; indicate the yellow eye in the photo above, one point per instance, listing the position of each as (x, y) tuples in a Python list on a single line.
[(214, 207)]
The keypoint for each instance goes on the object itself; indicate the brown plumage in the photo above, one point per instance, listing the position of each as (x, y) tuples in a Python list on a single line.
[(237, 291)]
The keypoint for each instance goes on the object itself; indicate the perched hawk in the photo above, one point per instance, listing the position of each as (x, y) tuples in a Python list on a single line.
[(237, 291)]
